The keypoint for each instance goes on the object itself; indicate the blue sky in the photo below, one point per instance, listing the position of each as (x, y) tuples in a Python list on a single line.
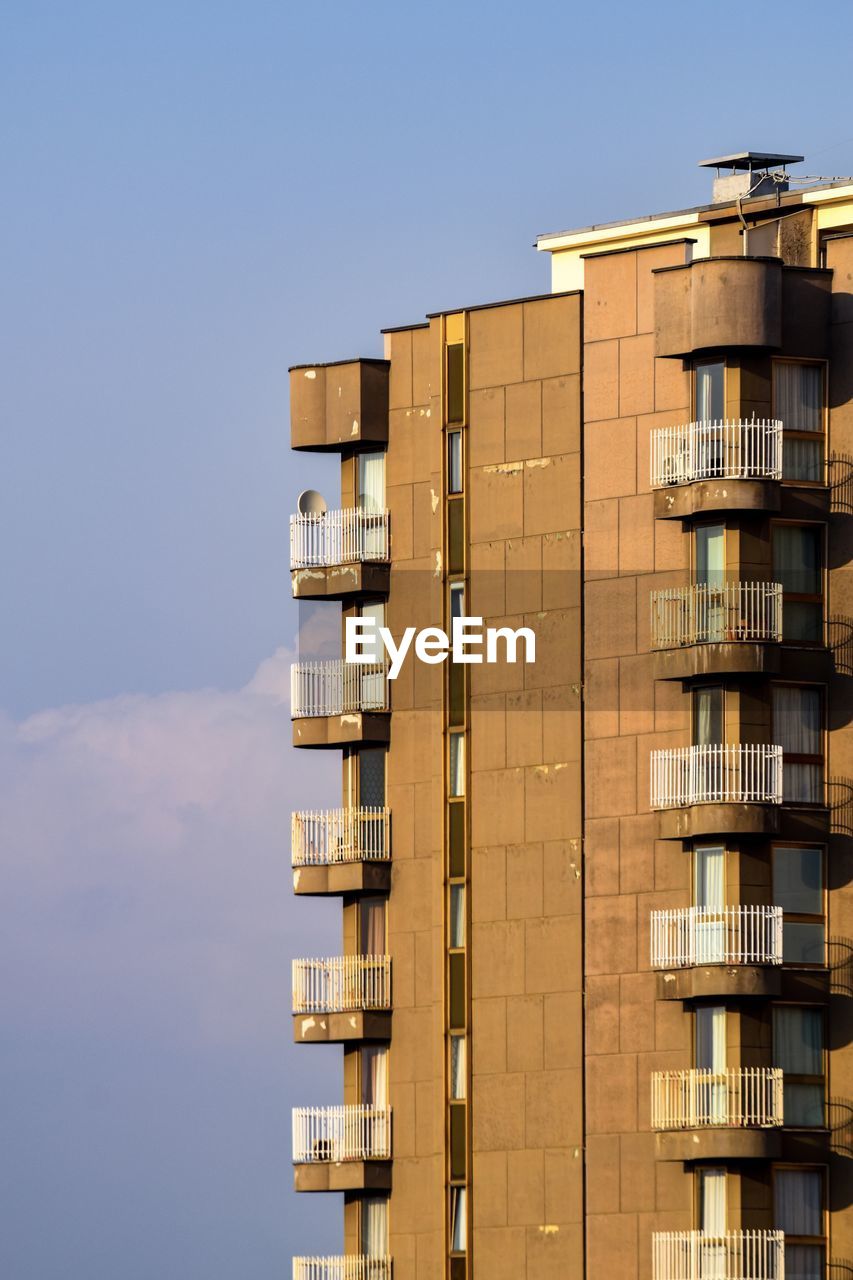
[(195, 196)]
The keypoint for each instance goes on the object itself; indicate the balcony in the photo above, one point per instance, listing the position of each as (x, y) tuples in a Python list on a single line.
[(702, 1114), (735, 951), (717, 466), (352, 1266), (342, 998), (339, 406), (344, 1148), (737, 1255), (339, 704), (708, 789), (339, 553), (341, 850), (705, 629)]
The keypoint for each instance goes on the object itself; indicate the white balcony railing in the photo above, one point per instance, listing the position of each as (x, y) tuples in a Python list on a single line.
[(338, 537), (723, 450), (337, 688), (740, 1098), (681, 939), (738, 1255), (342, 984), (743, 773), (704, 614), (354, 1266), (321, 837), (335, 1134)]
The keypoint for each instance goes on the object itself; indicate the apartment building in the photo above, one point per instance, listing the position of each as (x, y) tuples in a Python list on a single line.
[(595, 989)]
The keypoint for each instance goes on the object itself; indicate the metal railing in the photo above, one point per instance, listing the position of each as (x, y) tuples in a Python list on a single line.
[(706, 614), (692, 936), (743, 773), (336, 688), (740, 1098), (353, 1266), (719, 450), (341, 984), (338, 537), (737, 1255), (323, 1135), (321, 837)]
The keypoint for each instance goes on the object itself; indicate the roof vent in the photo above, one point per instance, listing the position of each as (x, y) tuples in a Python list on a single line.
[(753, 173)]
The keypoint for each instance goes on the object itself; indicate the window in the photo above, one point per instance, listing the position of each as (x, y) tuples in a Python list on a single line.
[(456, 781), (371, 921), (374, 1075), (708, 603), (798, 1050), (370, 481), (371, 777), (711, 1197), (458, 1219), (709, 1053), (454, 462), (798, 403), (708, 716), (457, 916), (458, 1068), (798, 729), (457, 600), (710, 554), (798, 565), (455, 382), (709, 895), (798, 890), (374, 1226), (798, 1210), (709, 383)]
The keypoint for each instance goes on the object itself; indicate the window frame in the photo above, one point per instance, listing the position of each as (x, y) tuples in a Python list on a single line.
[(821, 1241), (695, 365), (796, 1077), (795, 433), (803, 917), (796, 757), (804, 597)]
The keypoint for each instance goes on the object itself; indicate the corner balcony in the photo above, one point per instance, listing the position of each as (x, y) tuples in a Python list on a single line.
[(702, 1114), (339, 553), (344, 1148), (726, 465), (736, 951), (737, 1255), (342, 998), (704, 629), (341, 850), (353, 1266), (706, 790), (339, 704)]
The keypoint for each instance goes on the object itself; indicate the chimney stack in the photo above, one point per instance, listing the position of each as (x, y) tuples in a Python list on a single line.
[(752, 173)]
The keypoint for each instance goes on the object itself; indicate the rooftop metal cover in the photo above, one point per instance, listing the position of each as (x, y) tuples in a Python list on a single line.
[(750, 160)]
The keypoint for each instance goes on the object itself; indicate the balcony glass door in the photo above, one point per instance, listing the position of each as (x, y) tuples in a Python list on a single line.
[(709, 894), (710, 1057), (710, 572), (370, 489), (374, 1076), (709, 381), (373, 681), (374, 1226), (713, 1223)]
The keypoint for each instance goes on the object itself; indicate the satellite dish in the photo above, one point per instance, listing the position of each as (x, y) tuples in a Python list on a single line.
[(311, 503)]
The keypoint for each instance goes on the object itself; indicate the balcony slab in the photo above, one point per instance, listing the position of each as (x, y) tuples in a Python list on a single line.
[(731, 981), (359, 728), (340, 1028), (343, 877), (743, 819), (685, 1145), (680, 502), (338, 581), (348, 1175)]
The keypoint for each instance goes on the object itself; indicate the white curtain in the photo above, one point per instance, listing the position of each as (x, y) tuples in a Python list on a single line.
[(710, 891), (798, 1040), (371, 481), (374, 1226), (372, 920), (374, 1075), (711, 554), (458, 1072), (712, 1201), (457, 764), (797, 557), (711, 1037), (708, 717), (797, 729), (710, 392), (798, 396)]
